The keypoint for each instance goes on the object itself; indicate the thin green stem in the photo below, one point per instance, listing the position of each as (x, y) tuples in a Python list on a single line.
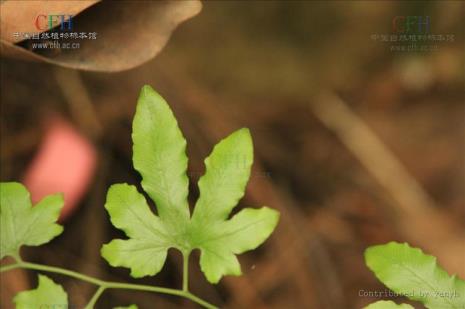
[(62, 271), (9, 267), (107, 284), (94, 298), (185, 272), (199, 301)]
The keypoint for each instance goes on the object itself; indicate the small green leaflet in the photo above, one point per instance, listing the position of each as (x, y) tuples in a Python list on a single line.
[(387, 304), (128, 307), (410, 272), (21, 224), (48, 294), (160, 157)]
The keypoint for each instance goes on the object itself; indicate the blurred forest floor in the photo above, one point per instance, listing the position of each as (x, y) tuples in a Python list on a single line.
[(263, 65)]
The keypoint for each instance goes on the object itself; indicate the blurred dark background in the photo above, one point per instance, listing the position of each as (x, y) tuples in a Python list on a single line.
[(330, 106)]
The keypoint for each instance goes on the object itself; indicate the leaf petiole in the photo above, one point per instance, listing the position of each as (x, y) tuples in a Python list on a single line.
[(94, 298), (185, 272), (103, 285)]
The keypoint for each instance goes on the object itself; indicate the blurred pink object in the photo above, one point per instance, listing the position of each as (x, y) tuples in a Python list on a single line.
[(65, 163)]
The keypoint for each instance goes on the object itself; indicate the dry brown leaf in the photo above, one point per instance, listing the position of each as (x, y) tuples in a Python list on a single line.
[(129, 33), (20, 16)]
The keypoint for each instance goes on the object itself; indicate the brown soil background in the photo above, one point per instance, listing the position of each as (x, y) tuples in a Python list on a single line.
[(263, 65)]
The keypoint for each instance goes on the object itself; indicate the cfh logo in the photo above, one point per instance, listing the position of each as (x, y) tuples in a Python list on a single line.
[(411, 24), (47, 22)]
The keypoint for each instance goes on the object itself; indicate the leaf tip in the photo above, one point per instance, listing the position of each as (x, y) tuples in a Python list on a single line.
[(244, 133), (107, 252), (43, 279), (146, 89), (274, 217)]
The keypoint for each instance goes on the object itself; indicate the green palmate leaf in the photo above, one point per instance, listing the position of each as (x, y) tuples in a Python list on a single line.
[(48, 294), (219, 239), (410, 272), (22, 224), (159, 155), (387, 304)]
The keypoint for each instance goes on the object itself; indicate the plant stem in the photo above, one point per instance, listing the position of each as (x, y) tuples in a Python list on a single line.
[(58, 270), (185, 272), (199, 301), (94, 298), (103, 285)]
